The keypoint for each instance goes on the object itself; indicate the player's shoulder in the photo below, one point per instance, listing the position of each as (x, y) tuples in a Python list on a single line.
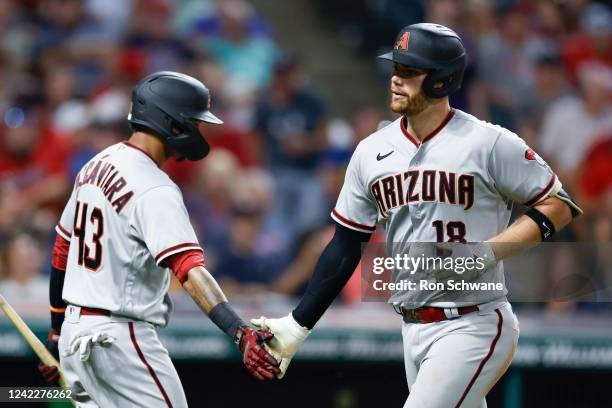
[(382, 136), (132, 164), (141, 167), (470, 123), (478, 130)]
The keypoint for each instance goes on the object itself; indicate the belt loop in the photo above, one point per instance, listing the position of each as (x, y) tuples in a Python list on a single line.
[(399, 309), (451, 312), (72, 314)]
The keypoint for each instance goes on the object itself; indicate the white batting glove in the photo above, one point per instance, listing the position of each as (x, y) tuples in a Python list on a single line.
[(288, 335)]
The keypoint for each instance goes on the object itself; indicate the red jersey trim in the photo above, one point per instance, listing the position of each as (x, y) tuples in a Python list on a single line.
[(486, 358), (149, 368), (182, 262), (176, 249), (59, 254), (414, 140), (537, 198), (63, 232), (351, 224), (133, 146)]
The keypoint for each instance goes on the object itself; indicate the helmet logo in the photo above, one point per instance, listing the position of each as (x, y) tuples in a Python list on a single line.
[(402, 43)]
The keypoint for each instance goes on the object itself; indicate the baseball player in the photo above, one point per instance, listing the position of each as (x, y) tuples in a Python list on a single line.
[(436, 174), (124, 228)]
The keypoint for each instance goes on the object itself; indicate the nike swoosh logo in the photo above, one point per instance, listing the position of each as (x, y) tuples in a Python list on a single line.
[(548, 230), (379, 157)]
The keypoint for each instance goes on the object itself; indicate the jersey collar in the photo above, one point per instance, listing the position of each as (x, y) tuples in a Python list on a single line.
[(133, 146), (416, 141)]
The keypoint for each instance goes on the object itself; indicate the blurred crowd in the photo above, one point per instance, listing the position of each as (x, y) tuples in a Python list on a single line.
[(260, 202)]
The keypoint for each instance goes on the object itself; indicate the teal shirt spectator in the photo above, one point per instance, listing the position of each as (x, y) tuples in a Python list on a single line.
[(250, 61)]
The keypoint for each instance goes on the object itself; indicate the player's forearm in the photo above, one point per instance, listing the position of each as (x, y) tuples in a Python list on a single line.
[(524, 233), (207, 294), (59, 257), (204, 289), (334, 268), (57, 304)]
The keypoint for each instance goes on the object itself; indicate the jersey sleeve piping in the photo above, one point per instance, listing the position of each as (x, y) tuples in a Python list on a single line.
[(351, 224), (542, 193), (63, 232), (176, 249)]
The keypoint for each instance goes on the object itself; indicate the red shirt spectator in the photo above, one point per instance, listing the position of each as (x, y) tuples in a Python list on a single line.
[(39, 154), (592, 43), (33, 170), (596, 178), (219, 137)]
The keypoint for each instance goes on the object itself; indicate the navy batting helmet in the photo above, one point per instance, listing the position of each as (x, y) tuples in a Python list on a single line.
[(434, 48), (168, 103)]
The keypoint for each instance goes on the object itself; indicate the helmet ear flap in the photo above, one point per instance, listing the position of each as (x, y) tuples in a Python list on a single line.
[(442, 82), (194, 148)]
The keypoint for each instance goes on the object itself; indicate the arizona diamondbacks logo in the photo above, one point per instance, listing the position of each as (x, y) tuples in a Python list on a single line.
[(402, 43)]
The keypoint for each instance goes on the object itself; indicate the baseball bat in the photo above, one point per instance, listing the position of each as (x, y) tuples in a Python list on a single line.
[(41, 351)]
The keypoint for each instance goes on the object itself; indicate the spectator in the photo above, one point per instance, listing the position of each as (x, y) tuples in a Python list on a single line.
[(70, 34), (33, 165), (246, 57), (593, 42), (562, 141), (253, 255), (152, 39), (290, 123), (205, 18), (448, 13), (209, 196), (506, 68), (22, 261), (550, 85), (596, 178)]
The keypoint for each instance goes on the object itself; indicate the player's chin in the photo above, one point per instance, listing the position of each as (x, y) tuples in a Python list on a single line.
[(398, 106)]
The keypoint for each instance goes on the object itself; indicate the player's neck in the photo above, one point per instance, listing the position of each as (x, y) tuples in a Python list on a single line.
[(424, 123), (151, 145)]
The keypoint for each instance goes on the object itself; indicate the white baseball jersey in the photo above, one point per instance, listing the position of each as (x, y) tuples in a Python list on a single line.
[(458, 185), (123, 218)]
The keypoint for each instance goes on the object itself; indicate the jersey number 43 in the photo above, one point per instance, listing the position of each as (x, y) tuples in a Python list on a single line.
[(90, 254)]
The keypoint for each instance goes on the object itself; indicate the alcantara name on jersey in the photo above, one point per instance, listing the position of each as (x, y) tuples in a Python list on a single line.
[(436, 185), (104, 175)]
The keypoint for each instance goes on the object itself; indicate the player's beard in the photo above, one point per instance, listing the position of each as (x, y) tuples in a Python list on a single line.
[(412, 105)]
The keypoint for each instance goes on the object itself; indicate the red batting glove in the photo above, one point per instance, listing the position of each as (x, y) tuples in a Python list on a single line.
[(50, 373), (257, 360)]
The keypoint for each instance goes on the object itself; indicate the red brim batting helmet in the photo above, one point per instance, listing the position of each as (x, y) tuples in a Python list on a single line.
[(436, 49)]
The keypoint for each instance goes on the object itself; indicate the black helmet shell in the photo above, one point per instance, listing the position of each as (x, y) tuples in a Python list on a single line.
[(435, 48), (167, 103)]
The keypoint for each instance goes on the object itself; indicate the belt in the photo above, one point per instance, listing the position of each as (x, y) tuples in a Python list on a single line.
[(92, 311), (435, 314)]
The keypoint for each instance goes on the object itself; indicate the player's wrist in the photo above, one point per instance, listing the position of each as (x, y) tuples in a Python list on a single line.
[(299, 331), (484, 251), (57, 319), (224, 316)]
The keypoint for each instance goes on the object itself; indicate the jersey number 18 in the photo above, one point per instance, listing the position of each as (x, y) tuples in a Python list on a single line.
[(455, 230)]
